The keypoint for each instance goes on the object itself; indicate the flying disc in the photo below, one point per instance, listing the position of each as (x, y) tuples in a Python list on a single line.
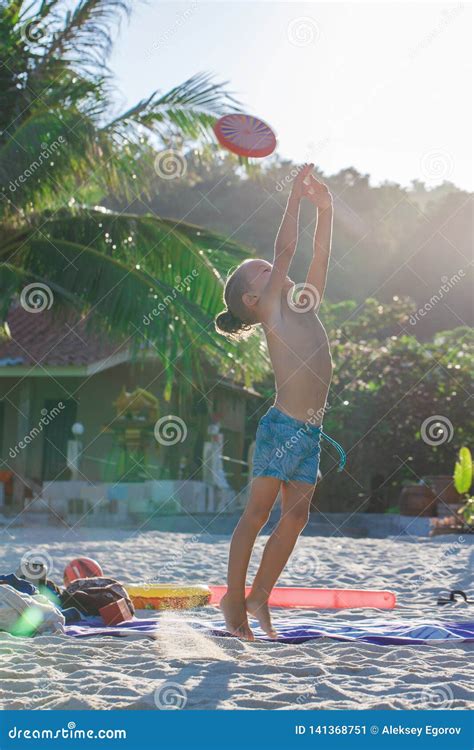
[(82, 567), (245, 135)]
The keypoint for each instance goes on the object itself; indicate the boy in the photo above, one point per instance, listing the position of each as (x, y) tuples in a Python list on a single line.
[(287, 448)]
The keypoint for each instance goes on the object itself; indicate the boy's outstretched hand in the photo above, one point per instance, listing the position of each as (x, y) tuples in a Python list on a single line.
[(317, 193), (305, 185), (299, 187)]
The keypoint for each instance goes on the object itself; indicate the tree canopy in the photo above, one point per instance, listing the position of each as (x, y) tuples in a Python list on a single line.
[(63, 148)]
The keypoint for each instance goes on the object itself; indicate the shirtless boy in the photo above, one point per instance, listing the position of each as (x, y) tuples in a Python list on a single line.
[(286, 457)]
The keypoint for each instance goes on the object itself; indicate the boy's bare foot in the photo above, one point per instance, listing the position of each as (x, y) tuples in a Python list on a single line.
[(235, 615), (257, 606)]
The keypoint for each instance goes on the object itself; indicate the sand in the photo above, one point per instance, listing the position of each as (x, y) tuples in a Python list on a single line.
[(186, 669)]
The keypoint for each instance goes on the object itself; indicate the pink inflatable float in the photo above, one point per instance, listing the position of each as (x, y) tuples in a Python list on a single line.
[(320, 598)]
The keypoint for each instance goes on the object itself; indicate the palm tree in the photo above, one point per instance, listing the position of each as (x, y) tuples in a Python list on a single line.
[(63, 149)]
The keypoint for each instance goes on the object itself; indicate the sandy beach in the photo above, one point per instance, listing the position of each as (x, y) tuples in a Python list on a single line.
[(194, 671)]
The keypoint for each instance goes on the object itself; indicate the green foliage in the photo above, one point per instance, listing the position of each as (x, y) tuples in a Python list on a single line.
[(369, 320), (382, 392), (467, 511), (65, 153), (63, 149), (463, 481), (463, 471), (388, 241)]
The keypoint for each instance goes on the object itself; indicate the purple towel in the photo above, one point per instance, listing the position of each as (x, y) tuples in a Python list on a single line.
[(298, 630)]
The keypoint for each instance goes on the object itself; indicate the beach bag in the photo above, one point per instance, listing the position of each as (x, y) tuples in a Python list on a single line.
[(89, 595), (25, 615)]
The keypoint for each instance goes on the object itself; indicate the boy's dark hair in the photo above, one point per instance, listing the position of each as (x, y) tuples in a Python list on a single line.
[(231, 326), (234, 322)]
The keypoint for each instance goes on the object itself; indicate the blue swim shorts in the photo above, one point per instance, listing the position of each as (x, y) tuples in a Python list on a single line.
[(289, 449)]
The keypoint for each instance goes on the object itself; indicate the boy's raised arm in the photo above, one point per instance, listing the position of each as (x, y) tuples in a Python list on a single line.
[(287, 237), (320, 196)]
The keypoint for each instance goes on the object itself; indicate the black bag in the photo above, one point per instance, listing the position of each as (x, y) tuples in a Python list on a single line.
[(88, 595)]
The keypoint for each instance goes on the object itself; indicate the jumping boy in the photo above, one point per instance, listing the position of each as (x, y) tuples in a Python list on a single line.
[(286, 457)]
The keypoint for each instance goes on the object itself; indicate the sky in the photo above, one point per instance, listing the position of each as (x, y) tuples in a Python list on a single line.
[(385, 87)]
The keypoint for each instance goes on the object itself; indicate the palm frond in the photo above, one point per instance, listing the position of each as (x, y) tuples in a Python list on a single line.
[(46, 156), (163, 250), (159, 282), (86, 36), (189, 109), (221, 252), (139, 277), (56, 158)]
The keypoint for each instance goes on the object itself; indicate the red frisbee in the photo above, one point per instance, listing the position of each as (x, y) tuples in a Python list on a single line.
[(245, 135), (82, 567)]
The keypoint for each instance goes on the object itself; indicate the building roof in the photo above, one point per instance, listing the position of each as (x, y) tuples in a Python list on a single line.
[(238, 387), (45, 344), (45, 340)]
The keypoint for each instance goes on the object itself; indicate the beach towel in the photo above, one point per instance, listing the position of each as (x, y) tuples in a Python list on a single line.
[(299, 630)]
